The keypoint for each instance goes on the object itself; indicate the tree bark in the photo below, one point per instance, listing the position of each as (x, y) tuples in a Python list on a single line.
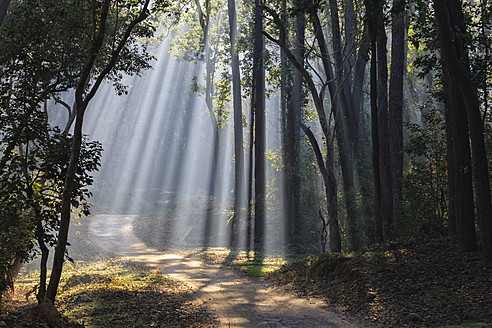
[(259, 103), (346, 124), (383, 133), (396, 97), (459, 172), (293, 140), (372, 22), (238, 127), (452, 31)]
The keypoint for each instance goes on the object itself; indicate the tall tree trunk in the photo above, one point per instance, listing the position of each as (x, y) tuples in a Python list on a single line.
[(459, 174), (292, 140), (59, 256), (452, 34), (238, 127), (214, 181), (383, 126), (396, 97), (372, 26), (285, 95), (346, 124), (260, 142), (249, 219), (330, 182)]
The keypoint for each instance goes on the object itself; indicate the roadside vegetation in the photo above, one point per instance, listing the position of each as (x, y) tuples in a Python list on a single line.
[(111, 293)]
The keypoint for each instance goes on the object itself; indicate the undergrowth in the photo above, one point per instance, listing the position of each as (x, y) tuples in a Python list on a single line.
[(117, 293)]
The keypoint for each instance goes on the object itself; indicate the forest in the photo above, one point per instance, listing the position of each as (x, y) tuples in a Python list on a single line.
[(338, 148)]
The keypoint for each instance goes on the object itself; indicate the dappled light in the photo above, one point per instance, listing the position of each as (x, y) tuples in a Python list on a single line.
[(219, 155)]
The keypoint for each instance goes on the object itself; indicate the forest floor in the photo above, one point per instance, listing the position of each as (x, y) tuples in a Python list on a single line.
[(398, 285), (413, 284)]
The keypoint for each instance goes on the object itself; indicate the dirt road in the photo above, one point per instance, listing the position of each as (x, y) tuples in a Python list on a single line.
[(238, 301)]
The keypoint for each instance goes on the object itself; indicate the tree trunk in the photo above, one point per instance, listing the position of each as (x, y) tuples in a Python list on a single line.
[(285, 107), (326, 169), (396, 97), (346, 120), (372, 22), (82, 101), (293, 139), (383, 126), (259, 103), (330, 182), (43, 263), (452, 34), (459, 174), (249, 219), (59, 256), (238, 127)]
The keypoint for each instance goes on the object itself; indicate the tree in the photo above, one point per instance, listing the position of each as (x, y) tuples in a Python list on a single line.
[(238, 125), (122, 57), (35, 155), (395, 104), (372, 18), (452, 33), (326, 163), (292, 140), (260, 142)]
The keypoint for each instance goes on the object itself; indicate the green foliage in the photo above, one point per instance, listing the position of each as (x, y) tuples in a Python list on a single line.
[(31, 187), (424, 209), (112, 293)]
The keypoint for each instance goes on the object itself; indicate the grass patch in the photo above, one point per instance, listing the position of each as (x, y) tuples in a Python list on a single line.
[(116, 293), (242, 260)]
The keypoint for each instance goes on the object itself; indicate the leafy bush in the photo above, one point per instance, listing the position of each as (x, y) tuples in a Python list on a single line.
[(425, 193)]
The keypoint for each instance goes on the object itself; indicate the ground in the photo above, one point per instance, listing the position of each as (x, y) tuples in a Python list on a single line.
[(382, 287)]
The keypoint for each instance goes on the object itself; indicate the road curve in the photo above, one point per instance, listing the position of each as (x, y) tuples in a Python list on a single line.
[(238, 301)]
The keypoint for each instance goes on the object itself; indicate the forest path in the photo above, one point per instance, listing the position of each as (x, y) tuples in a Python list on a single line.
[(238, 301)]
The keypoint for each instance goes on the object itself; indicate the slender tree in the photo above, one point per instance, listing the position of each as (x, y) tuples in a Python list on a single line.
[(238, 126), (260, 142), (326, 163), (84, 93), (372, 17)]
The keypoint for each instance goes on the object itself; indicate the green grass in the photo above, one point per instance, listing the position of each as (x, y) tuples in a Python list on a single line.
[(242, 260), (116, 293)]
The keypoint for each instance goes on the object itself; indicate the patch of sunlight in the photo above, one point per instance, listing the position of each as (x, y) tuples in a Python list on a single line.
[(242, 260)]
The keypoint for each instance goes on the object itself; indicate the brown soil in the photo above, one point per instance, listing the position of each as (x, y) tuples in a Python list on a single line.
[(433, 280), (237, 300)]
